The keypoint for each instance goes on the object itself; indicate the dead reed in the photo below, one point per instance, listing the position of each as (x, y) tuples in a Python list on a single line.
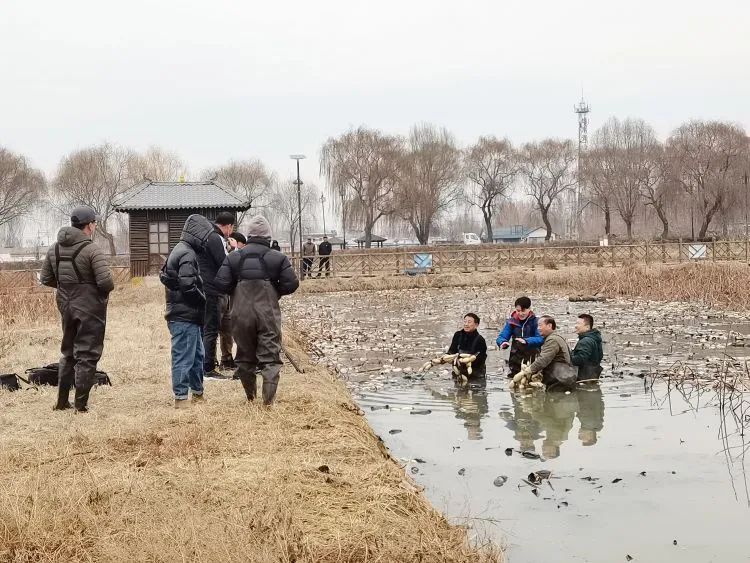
[(715, 284), (135, 480)]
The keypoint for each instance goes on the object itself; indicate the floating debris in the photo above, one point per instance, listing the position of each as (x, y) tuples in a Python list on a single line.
[(425, 411), (394, 431), (462, 471), (500, 481)]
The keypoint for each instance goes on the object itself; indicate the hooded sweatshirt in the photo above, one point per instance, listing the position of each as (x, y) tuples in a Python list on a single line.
[(185, 295), (76, 260)]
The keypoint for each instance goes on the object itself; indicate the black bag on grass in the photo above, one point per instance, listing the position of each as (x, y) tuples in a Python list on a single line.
[(9, 381), (48, 375)]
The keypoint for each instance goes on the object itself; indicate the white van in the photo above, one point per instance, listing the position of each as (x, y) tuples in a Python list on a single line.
[(471, 238)]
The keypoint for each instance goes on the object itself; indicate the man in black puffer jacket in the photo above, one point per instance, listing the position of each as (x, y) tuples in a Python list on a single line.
[(186, 305), (210, 261), (256, 277)]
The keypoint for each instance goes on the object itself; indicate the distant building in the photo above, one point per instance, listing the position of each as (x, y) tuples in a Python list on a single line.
[(158, 211), (519, 234)]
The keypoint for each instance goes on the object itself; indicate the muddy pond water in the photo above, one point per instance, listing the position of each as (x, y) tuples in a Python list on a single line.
[(637, 469)]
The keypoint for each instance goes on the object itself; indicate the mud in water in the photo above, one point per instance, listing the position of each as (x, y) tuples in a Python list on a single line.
[(636, 469)]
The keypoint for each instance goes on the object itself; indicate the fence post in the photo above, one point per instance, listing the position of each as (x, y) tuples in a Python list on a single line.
[(614, 262), (500, 256), (679, 250), (579, 252), (476, 267), (466, 260), (746, 260), (713, 249), (647, 253), (664, 252)]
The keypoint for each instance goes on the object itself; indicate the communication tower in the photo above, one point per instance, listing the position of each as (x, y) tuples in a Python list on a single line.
[(582, 109)]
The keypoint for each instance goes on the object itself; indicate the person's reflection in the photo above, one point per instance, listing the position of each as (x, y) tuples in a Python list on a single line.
[(556, 417), (469, 402), (522, 422), (590, 413)]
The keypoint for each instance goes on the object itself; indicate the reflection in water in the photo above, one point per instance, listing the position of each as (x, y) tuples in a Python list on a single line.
[(554, 414), (470, 405)]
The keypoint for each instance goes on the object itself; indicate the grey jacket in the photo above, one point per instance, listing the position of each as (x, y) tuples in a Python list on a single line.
[(553, 350), (308, 249), (76, 260)]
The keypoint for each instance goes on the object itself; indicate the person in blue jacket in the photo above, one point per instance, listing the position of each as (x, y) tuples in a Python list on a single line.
[(521, 334)]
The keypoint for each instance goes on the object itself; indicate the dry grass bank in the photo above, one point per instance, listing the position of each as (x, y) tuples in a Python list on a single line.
[(135, 480), (723, 284)]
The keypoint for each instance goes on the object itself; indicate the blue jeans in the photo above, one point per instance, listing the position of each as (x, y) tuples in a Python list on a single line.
[(187, 358)]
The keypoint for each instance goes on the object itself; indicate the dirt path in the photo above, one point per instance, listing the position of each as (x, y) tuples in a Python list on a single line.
[(135, 480)]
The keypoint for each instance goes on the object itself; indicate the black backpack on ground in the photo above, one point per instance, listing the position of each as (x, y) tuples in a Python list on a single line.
[(9, 381), (48, 375)]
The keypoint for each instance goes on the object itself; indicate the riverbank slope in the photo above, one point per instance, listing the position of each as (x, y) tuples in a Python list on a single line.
[(135, 480)]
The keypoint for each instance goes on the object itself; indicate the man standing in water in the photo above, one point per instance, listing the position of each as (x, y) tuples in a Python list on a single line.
[(469, 341), (588, 353), (521, 335), (80, 272)]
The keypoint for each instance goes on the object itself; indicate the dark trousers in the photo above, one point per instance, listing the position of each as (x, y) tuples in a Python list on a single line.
[(211, 330), (307, 267), (325, 261), (225, 330), (257, 331), (520, 353), (84, 320)]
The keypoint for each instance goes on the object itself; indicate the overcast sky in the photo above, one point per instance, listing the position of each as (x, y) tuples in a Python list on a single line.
[(214, 80)]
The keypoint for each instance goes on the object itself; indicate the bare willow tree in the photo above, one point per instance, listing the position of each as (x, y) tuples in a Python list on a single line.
[(706, 159), (597, 170), (656, 186), (21, 187), (548, 169), (250, 179), (429, 178), (492, 166), (158, 165), (284, 208), (362, 165), (96, 176)]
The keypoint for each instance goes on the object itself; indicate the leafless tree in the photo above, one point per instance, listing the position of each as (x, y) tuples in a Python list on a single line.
[(158, 165), (597, 170), (656, 186), (96, 176), (21, 186), (548, 169), (492, 166), (362, 164), (250, 179), (284, 208), (705, 159), (429, 178)]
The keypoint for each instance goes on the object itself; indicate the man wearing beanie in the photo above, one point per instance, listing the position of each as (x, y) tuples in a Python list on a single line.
[(256, 277), (80, 272)]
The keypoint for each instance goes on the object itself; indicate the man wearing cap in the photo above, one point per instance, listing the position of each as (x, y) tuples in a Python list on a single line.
[(80, 272), (256, 277), (237, 241)]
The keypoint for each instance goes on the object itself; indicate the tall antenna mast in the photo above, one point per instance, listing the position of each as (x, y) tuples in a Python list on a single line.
[(582, 109)]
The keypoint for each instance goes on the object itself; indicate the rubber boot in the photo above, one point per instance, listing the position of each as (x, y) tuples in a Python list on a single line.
[(249, 384), (269, 392), (63, 398), (82, 399)]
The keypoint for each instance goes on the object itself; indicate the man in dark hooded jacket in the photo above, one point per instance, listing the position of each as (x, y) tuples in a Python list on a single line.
[(256, 277), (588, 353), (80, 272), (186, 309), (210, 261)]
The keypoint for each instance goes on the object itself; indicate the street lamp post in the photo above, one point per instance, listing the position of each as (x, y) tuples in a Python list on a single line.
[(298, 183), (323, 206)]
